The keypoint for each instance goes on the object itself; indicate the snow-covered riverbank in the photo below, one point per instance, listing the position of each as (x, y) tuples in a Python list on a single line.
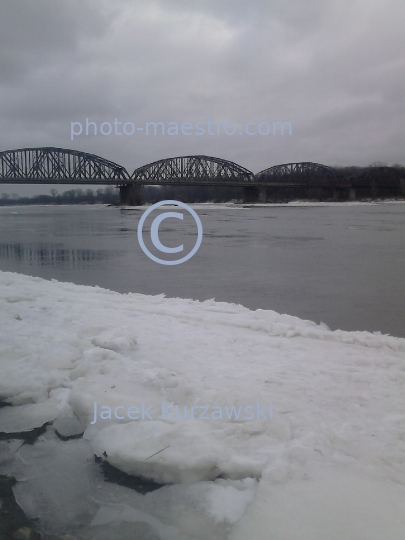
[(329, 462)]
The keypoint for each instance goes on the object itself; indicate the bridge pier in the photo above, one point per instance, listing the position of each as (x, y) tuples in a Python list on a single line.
[(344, 194), (131, 195), (352, 194), (339, 194), (263, 194), (374, 189), (251, 194)]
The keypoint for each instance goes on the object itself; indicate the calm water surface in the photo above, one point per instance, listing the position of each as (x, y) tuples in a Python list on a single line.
[(340, 264)]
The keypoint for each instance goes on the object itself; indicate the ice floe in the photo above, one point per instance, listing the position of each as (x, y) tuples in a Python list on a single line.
[(329, 462)]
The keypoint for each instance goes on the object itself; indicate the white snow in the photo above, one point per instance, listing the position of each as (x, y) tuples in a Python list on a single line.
[(329, 464)]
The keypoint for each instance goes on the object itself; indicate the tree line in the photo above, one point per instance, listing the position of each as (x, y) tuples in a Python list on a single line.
[(110, 195)]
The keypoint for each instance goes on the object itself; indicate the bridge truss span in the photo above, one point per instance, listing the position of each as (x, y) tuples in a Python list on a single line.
[(49, 165), (383, 176), (299, 173), (192, 170)]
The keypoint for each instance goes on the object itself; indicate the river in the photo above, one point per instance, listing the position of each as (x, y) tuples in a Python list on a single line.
[(340, 264)]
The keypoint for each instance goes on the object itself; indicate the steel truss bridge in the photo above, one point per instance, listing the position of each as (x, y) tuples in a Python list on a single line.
[(299, 173), (58, 166), (192, 170), (50, 165)]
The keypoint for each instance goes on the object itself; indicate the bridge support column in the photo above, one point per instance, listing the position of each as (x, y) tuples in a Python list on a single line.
[(352, 194), (131, 195), (374, 189), (251, 194), (344, 194), (341, 194)]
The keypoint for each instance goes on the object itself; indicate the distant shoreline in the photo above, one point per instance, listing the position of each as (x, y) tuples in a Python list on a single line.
[(298, 202)]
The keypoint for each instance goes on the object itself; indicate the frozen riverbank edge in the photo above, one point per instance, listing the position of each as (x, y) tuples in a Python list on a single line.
[(330, 462)]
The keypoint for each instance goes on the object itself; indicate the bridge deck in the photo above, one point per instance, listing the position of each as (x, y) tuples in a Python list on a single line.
[(101, 181)]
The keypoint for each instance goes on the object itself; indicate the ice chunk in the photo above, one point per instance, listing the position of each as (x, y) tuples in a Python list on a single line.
[(27, 417), (8, 448), (67, 424), (55, 482), (183, 452), (126, 513), (59, 483), (115, 339), (227, 500), (125, 530)]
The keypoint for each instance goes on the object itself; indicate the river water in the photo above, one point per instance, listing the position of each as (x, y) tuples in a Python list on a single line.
[(342, 264)]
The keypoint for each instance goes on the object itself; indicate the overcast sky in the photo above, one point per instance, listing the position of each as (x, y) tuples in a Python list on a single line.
[(333, 69)]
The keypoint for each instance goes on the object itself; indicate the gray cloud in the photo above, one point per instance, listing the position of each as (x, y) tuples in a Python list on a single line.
[(332, 69)]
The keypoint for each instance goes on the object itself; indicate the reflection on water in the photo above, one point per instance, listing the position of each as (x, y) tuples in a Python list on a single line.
[(40, 254)]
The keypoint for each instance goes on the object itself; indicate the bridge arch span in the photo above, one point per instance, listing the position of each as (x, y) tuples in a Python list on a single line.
[(49, 165), (192, 170), (304, 172), (378, 175)]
